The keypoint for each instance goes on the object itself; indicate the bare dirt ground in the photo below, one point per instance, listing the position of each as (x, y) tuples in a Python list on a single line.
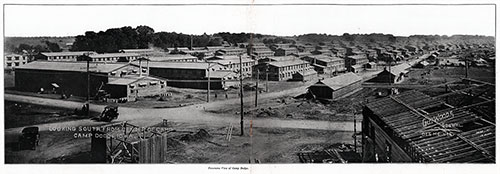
[(441, 74), (274, 140), (23, 114), (268, 145), (287, 107)]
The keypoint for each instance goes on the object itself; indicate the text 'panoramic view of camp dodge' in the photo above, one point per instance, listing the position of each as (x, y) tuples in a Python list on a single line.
[(249, 84)]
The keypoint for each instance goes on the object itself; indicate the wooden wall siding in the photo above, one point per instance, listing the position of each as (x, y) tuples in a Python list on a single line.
[(404, 126), (153, 150), (381, 138)]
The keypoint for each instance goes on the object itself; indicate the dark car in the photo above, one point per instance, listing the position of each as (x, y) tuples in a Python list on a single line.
[(29, 138), (110, 113)]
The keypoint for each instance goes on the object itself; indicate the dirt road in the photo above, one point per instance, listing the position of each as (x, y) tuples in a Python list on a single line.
[(191, 114)]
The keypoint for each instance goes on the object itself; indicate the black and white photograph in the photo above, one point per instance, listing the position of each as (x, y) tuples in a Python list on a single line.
[(241, 86)]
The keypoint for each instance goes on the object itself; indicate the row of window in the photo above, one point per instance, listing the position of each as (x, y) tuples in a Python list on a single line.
[(62, 57), (112, 59), (294, 67), (15, 64), (16, 58)]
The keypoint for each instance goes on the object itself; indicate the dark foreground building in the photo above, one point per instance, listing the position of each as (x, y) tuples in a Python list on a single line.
[(70, 78), (414, 127), (66, 77), (335, 87)]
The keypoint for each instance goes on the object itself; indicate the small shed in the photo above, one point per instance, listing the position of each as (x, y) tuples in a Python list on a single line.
[(421, 64), (394, 74), (306, 75), (335, 87), (371, 65)]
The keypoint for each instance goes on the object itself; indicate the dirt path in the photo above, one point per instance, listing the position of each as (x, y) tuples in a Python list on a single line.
[(191, 114)]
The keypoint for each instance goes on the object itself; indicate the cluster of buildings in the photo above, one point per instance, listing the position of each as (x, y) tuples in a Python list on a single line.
[(136, 71)]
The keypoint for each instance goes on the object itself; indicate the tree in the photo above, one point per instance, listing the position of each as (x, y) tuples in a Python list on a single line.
[(53, 47)]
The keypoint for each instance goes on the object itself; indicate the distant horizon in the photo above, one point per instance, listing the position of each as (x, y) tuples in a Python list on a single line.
[(281, 36), (286, 20)]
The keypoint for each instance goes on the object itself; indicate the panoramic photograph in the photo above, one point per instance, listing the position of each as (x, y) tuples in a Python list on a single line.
[(249, 84)]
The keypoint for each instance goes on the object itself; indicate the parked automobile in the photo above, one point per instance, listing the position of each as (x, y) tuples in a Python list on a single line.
[(29, 138)]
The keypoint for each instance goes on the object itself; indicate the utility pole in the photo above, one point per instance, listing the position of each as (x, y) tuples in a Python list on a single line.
[(354, 135), (241, 97), (87, 58), (466, 67), (257, 87), (267, 77), (208, 85)]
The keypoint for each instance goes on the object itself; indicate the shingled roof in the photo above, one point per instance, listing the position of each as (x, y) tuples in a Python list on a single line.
[(404, 114)]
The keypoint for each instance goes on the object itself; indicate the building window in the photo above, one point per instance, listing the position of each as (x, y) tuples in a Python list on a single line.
[(17, 63), (9, 64), (388, 151), (17, 57), (9, 58)]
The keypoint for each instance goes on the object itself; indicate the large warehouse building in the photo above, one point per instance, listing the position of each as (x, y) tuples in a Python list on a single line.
[(70, 78)]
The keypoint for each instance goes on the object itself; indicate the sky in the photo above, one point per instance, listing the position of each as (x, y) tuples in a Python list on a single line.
[(289, 20)]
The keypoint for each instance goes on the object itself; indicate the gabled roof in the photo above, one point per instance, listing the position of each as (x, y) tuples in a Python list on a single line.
[(73, 53), (178, 65), (404, 114), (339, 81), (287, 63), (136, 50), (73, 66), (129, 79), (105, 55)]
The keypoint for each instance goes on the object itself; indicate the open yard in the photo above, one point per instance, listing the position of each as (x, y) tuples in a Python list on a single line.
[(22, 114), (193, 143)]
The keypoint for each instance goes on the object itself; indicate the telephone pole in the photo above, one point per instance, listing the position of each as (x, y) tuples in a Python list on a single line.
[(267, 77), (208, 85), (88, 85), (257, 87), (241, 97)]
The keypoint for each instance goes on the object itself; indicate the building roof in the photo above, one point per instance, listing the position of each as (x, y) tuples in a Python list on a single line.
[(129, 79), (178, 65), (222, 74), (406, 113), (288, 49), (283, 58), (232, 61), (287, 63), (105, 55), (171, 57), (137, 50), (339, 81), (72, 66), (326, 58), (73, 53), (357, 57), (12, 54), (308, 72)]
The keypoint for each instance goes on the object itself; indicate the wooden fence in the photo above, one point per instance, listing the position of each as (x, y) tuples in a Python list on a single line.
[(153, 150)]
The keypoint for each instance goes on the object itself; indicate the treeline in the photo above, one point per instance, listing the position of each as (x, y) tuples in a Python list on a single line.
[(46, 46), (141, 37), (278, 40), (326, 38), (389, 38)]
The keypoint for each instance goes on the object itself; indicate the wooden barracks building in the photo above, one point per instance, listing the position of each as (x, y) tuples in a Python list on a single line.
[(414, 127), (70, 78), (284, 70)]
